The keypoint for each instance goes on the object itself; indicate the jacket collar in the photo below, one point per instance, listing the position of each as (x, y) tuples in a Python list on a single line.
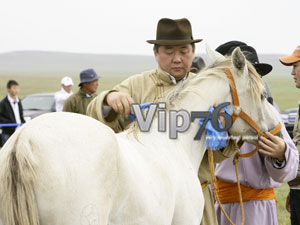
[(168, 78), (82, 93), (11, 100)]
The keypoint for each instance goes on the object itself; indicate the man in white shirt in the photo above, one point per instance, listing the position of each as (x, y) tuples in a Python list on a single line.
[(11, 111), (65, 92)]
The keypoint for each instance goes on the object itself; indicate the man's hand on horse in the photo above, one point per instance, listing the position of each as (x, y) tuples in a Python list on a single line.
[(274, 146), (120, 102)]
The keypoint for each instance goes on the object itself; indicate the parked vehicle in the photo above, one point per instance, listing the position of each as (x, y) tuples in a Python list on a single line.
[(289, 116), (37, 104)]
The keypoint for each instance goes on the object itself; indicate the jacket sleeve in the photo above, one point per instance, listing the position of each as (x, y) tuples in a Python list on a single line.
[(289, 170), (4, 118), (95, 109)]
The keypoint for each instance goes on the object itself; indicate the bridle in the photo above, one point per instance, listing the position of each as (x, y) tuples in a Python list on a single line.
[(238, 112)]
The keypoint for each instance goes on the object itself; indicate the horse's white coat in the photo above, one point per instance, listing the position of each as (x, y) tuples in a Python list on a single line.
[(87, 175)]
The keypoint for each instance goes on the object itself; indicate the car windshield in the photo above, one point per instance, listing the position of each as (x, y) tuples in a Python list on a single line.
[(38, 102)]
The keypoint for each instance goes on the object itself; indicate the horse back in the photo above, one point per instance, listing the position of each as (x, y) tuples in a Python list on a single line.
[(65, 163)]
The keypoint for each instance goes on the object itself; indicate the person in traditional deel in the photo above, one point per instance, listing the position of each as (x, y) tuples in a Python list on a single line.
[(174, 51), (259, 172), (78, 102)]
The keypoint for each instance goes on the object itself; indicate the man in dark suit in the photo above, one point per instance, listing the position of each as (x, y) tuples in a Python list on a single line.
[(11, 111)]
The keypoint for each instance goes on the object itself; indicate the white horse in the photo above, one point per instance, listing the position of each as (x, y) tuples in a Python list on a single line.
[(69, 169)]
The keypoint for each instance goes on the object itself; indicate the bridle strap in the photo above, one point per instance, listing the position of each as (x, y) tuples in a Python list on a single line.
[(243, 115), (235, 98), (274, 131), (237, 112)]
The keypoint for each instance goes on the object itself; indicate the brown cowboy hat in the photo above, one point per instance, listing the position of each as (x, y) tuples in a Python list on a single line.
[(174, 32)]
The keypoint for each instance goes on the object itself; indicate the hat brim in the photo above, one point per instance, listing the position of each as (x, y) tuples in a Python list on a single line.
[(289, 60), (173, 42), (263, 68)]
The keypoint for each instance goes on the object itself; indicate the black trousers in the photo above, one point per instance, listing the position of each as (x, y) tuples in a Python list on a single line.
[(295, 206)]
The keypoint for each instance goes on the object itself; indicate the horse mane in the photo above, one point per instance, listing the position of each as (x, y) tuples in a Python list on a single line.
[(215, 69)]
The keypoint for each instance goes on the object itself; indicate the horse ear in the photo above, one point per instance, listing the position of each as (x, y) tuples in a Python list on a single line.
[(239, 60), (213, 55)]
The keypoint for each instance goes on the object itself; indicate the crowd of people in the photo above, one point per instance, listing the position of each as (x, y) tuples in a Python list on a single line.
[(276, 161)]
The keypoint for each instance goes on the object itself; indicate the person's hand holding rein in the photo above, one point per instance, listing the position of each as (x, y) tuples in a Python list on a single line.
[(273, 147), (120, 102)]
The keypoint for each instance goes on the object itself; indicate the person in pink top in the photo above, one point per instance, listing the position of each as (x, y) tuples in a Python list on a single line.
[(274, 163)]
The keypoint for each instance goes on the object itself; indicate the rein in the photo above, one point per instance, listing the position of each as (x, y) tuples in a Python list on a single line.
[(237, 112)]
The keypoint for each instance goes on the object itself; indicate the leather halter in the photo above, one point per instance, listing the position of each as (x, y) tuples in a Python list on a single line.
[(238, 112)]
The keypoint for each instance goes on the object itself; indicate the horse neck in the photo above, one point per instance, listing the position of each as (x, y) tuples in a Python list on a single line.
[(185, 144), (183, 148)]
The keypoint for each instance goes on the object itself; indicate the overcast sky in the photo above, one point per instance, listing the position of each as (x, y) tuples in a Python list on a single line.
[(122, 27)]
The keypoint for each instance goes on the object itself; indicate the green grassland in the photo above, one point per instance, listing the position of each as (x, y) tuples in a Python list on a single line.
[(49, 84), (282, 87)]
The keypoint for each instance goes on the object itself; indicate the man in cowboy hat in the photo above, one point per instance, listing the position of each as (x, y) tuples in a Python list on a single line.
[(174, 50), (78, 102), (293, 199), (275, 163)]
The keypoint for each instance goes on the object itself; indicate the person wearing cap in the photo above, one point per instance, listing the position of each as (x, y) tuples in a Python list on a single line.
[(274, 163), (293, 199), (78, 102), (65, 92), (174, 50)]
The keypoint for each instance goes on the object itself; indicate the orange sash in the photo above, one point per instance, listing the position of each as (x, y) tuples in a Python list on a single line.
[(228, 192)]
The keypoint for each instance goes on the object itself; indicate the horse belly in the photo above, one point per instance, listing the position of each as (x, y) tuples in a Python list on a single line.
[(146, 194), (156, 189)]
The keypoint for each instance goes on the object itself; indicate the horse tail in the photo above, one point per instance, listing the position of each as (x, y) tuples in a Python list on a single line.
[(19, 205)]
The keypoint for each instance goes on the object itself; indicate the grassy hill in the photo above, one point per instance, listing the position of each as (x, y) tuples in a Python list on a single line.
[(58, 63), (38, 72), (38, 63)]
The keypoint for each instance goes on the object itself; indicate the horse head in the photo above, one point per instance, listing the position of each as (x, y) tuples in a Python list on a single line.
[(253, 113), (233, 80)]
